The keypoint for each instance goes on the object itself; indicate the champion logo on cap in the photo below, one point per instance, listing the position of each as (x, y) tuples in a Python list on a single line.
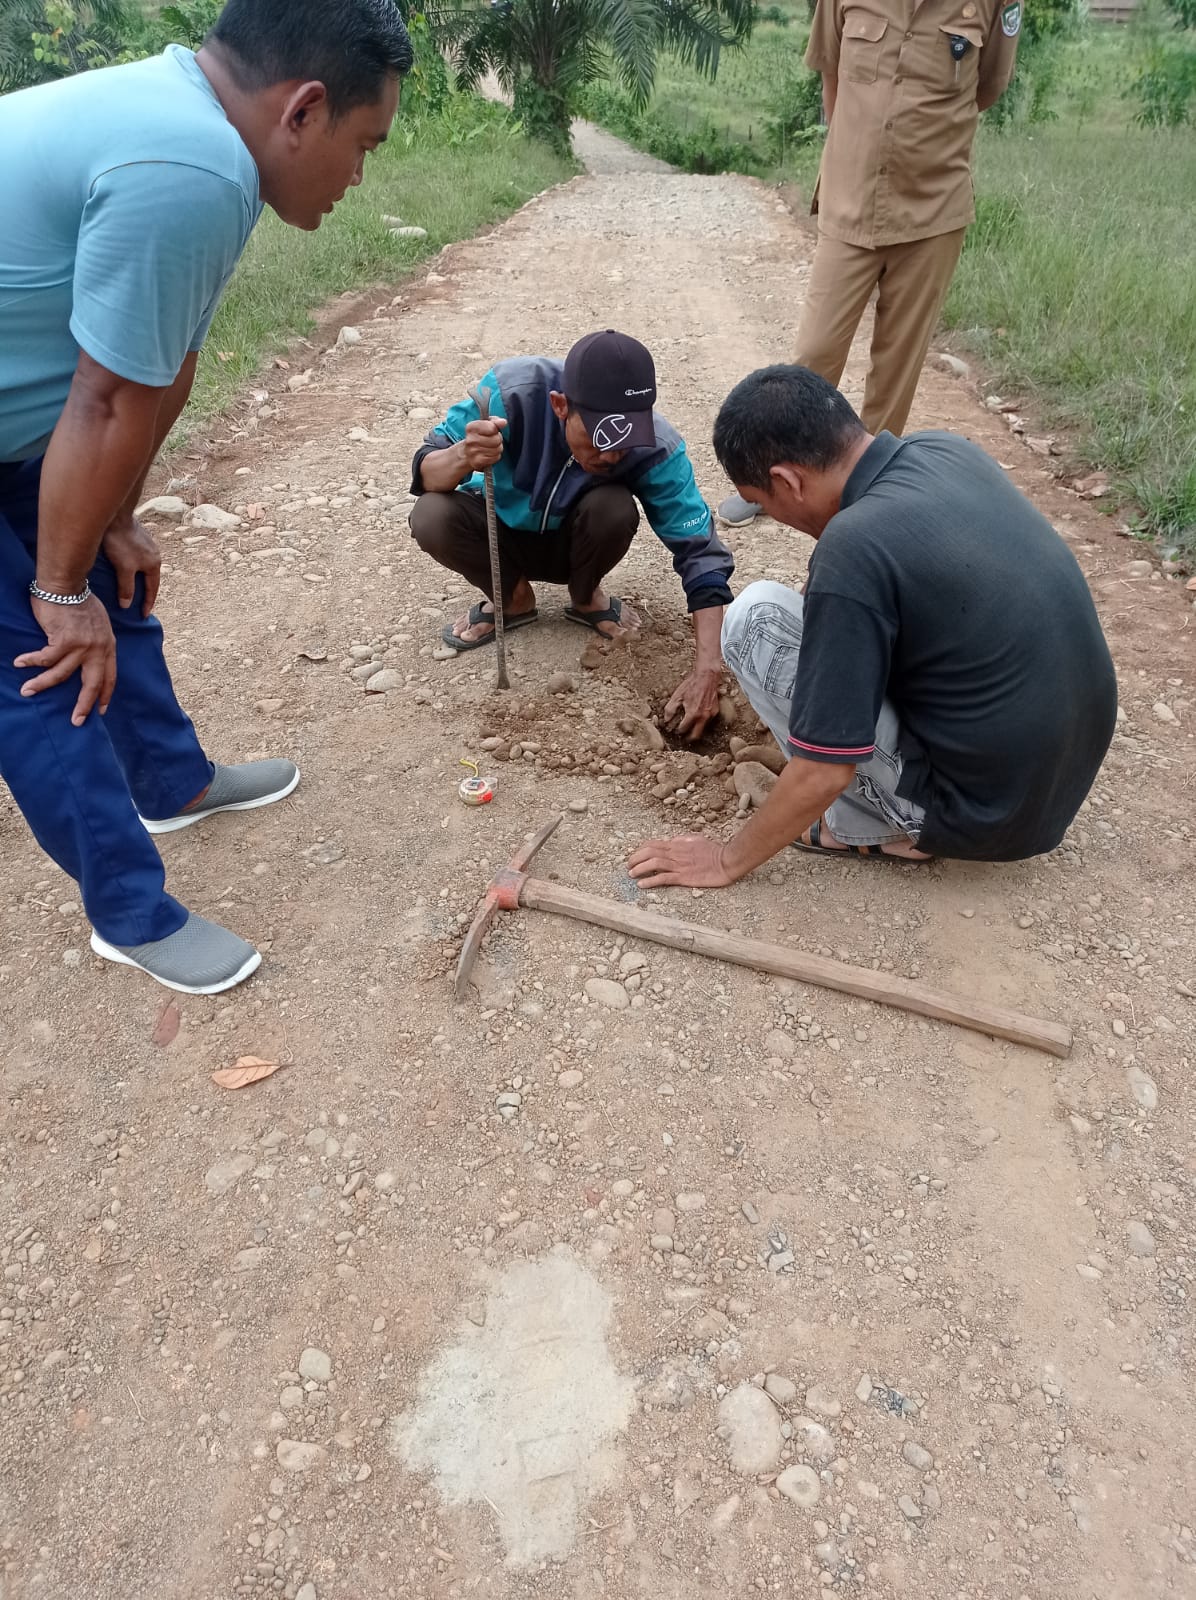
[(611, 432), (610, 381)]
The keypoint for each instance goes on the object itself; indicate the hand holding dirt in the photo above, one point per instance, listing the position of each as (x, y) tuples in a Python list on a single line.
[(694, 704)]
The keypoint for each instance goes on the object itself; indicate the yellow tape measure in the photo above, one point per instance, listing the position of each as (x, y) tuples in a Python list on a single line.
[(475, 791)]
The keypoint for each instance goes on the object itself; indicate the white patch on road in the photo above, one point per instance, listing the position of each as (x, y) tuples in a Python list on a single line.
[(521, 1413)]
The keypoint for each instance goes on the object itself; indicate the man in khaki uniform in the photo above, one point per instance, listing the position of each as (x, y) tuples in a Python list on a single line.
[(904, 83)]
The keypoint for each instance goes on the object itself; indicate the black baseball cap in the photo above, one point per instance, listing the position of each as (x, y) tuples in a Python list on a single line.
[(610, 381)]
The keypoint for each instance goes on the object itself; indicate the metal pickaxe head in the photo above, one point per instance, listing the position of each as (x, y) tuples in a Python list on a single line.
[(502, 894)]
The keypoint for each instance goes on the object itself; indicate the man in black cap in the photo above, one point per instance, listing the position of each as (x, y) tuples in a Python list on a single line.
[(573, 446)]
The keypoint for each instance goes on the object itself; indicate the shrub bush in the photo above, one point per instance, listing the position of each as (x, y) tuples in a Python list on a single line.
[(1165, 88), (796, 112), (1046, 24)]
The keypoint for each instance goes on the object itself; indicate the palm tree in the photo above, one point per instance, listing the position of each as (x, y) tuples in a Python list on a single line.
[(43, 39), (544, 52)]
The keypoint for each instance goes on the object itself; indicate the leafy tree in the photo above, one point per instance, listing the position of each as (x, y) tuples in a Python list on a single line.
[(44, 39), (188, 24), (426, 86), (545, 52)]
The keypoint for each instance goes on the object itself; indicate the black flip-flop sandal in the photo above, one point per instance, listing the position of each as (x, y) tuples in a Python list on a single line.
[(591, 619), (865, 852), (477, 614)]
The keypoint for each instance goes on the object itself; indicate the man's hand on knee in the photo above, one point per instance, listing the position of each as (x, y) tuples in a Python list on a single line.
[(78, 639)]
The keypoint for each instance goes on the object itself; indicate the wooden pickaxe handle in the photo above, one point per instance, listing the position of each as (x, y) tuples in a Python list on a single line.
[(515, 888), (481, 398)]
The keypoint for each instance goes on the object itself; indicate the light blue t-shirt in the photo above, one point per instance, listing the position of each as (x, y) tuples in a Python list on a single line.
[(126, 199)]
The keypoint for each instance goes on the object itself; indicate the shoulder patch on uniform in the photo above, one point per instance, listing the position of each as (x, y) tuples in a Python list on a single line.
[(1011, 19)]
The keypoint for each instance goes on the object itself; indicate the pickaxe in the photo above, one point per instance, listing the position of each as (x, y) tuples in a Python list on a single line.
[(512, 888), (481, 398)]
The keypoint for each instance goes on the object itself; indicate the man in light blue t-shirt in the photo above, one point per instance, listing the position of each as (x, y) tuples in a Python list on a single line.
[(127, 196)]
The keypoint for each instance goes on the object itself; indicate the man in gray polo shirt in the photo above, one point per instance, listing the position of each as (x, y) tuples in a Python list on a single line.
[(942, 687)]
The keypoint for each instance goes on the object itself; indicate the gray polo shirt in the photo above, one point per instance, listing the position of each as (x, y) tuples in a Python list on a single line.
[(939, 585)]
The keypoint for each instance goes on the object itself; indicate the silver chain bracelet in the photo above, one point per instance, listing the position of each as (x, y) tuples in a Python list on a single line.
[(60, 599)]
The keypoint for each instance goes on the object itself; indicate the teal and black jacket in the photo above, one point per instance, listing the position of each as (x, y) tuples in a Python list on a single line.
[(537, 482)]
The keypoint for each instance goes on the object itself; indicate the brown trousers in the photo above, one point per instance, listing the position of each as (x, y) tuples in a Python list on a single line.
[(594, 537), (913, 280)]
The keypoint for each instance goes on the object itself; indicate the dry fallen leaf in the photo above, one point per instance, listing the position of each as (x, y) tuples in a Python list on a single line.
[(255, 512), (244, 1071), (167, 1025)]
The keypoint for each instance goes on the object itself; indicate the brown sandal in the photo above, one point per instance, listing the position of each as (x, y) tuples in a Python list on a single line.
[(811, 843)]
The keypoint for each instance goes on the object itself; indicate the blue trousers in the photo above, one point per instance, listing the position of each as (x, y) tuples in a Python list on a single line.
[(80, 789)]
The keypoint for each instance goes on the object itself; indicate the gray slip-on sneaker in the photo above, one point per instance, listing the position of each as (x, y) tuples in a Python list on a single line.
[(200, 958), (736, 512), (252, 784)]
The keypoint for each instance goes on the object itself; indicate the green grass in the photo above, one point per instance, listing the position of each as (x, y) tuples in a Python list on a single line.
[(451, 173), (1078, 285)]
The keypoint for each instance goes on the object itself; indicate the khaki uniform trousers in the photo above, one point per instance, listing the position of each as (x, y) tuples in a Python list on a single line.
[(913, 280)]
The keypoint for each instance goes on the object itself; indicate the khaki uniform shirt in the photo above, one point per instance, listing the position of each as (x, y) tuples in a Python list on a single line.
[(912, 78)]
